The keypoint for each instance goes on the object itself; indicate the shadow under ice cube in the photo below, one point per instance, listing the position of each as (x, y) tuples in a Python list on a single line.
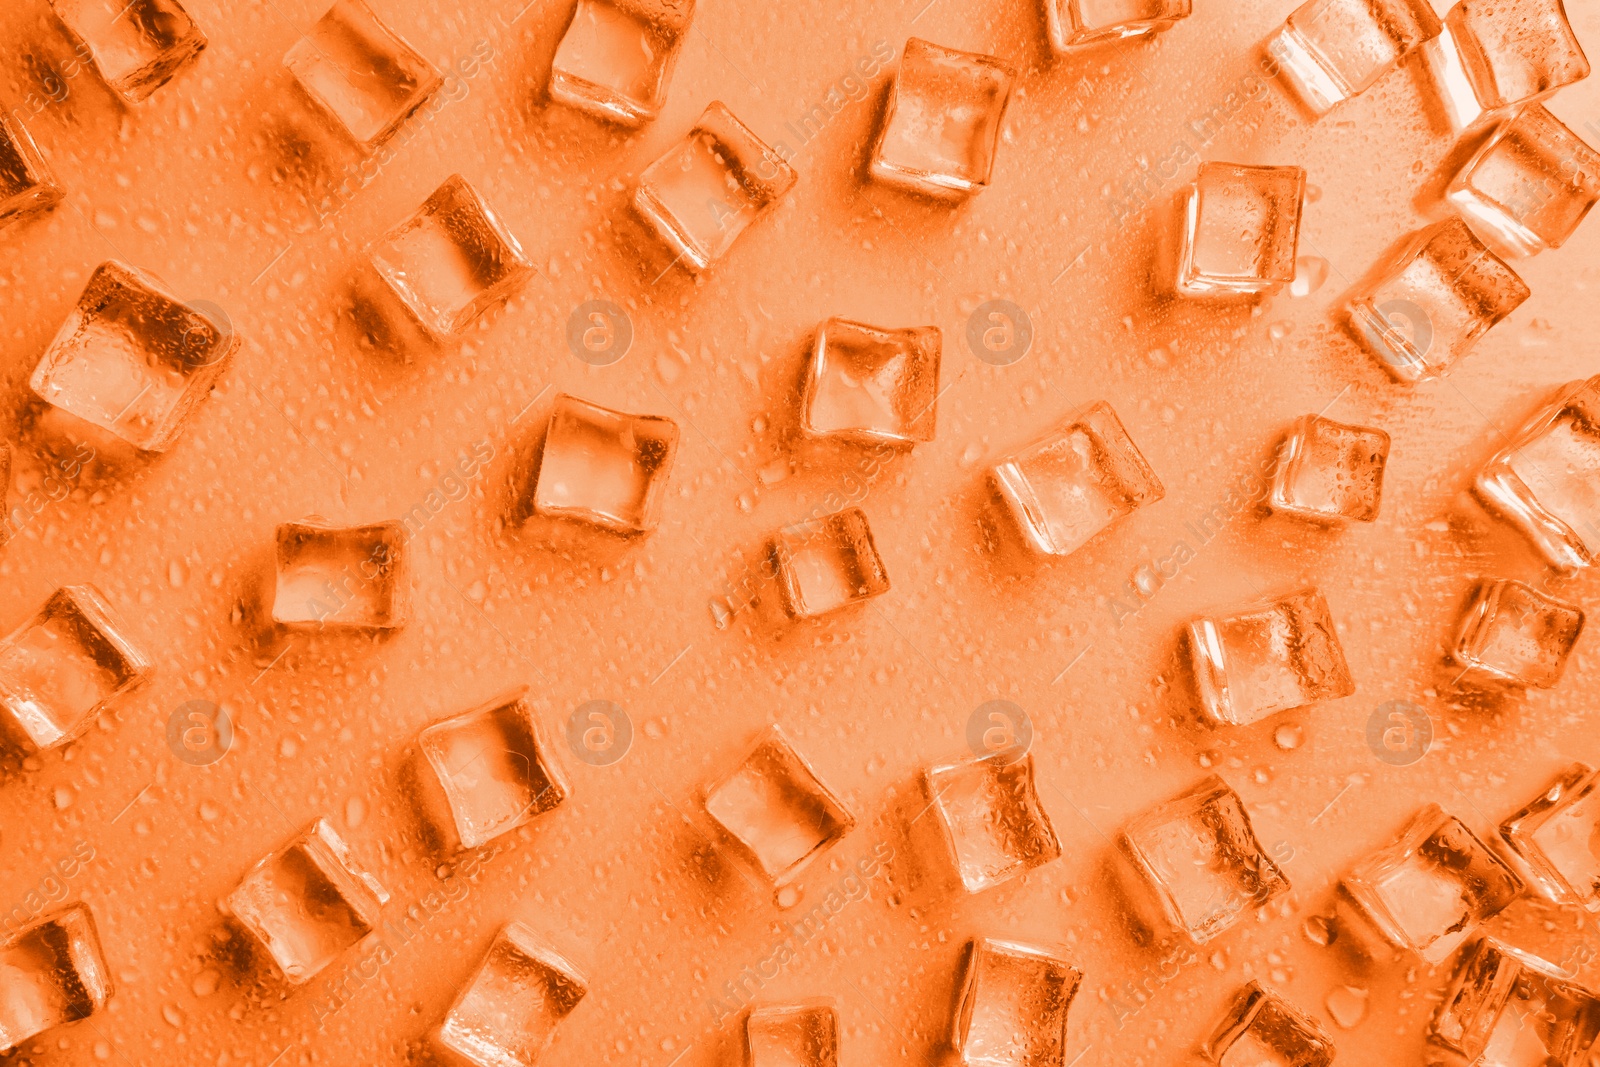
[(1075, 24), (307, 902), (993, 822), (1506, 1008), (604, 467), (1329, 472), (349, 577), (1260, 1030), (1012, 1005), (1241, 230), (363, 74), (1497, 54), (1513, 635), (616, 57), (26, 184), (1529, 186), (870, 384), (800, 1035), (828, 563), (62, 666), (1557, 837), (138, 45), (1331, 50), (508, 1014), (51, 973)]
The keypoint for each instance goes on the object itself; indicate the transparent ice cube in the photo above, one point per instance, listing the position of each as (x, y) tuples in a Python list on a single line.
[(51, 973), (1546, 483), (604, 467), (1269, 658), (1079, 23), (1557, 836), (350, 577), (1514, 635), (1429, 890), (993, 821), (825, 564), (138, 45), (26, 184), (493, 768), (777, 809), (132, 358), (1330, 472), (62, 666), (508, 1013), (1514, 51), (362, 73), (871, 384), (799, 1035), (703, 194), (616, 57), (1331, 50), (1013, 1005), (1430, 302), (1529, 186), (1241, 230), (942, 123), (1198, 858), (452, 260), (1075, 482), (1261, 1030), (1506, 1008), (307, 902)]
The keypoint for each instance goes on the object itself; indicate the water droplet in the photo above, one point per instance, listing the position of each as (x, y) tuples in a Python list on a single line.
[(64, 797), (209, 811), (1310, 273), (788, 897), (206, 983), (1348, 1006), (175, 574), (1319, 930), (1280, 329), (1288, 737), (355, 812)]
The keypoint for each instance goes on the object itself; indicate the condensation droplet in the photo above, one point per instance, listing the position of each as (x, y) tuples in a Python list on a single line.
[(1319, 930), (1348, 1006), (788, 897), (1288, 737)]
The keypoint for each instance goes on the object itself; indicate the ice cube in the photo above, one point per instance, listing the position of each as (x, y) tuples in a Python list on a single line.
[(799, 1035), (1546, 483), (1013, 1003), (1331, 50), (1529, 186), (307, 902), (777, 809), (62, 666), (138, 45), (993, 821), (1241, 230), (1506, 1008), (1076, 24), (1330, 472), (362, 73), (870, 384), (825, 564), (1514, 635), (617, 56), (1430, 302), (51, 973), (493, 768), (1261, 1030), (26, 184), (942, 122), (507, 1015), (1076, 481), (1429, 890), (703, 194), (452, 260), (1557, 836), (350, 577), (1514, 51), (1197, 860), (1269, 658), (604, 467), (132, 358)]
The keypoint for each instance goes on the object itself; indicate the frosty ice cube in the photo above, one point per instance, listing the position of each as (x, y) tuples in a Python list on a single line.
[(617, 56), (451, 261), (1241, 230), (604, 467), (777, 809), (871, 384), (1511, 634), (138, 45), (1260, 1030), (1331, 50), (1546, 483), (702, 195), (26, 184), (132, 358), (1431, 302), (307, 902), (1429, 890), (799, 1035), (1496, 54), (825, 564), (993, 821), (363, 74), (1557, 837), (51, 973), (1330, 472), (1270, 658), (1529, 186), (62, 666), (1506, 1008), (1076, 481), (1194, 865), (1012, 1006), (942, 122), (349, 577), (493, 769), (1076, 24), (507, 1015)]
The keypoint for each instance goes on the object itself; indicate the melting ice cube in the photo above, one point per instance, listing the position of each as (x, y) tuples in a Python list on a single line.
[(1514, 635), (51, 973), (1496, 54), (1261, 1030), (1529, 186), (1330, 472), (798, 1035), (617, 56), (993, 821), (1506, 1008), (26, 184), (1241, 230), (1557, 836), (604, 467), (351, 577), (1012, 1006), (508, 1013), (872, 384), (362, 73), (825, 564), (1075, 24), (138, 45), (1331, 50)]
